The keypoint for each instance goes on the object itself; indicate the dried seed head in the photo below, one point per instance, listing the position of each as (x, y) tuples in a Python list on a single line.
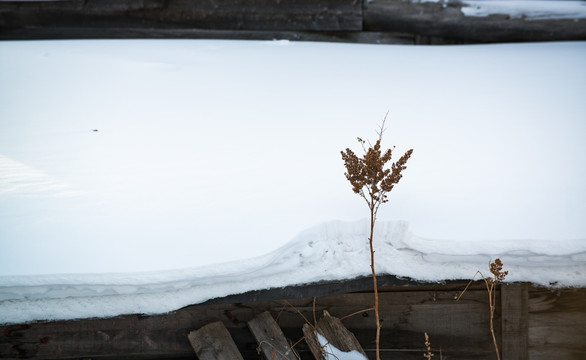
[(368, 174), (496, 268)]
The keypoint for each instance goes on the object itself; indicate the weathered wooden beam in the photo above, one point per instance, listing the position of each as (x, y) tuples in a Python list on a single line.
[(445, 19), (514, 320), (308, 15), (213, 342), (460, 328), (270, 338), (336, 334), (556, 324)]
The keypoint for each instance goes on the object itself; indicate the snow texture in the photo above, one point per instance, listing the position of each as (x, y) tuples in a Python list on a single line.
[(528, 10), (331, 251), (144, 176), (333, 353)]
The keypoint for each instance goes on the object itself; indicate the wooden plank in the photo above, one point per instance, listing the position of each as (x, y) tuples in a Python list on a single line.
[(514, 318), (213, 342), (335, 333), (556, 324), (560, 353), (270, 338)]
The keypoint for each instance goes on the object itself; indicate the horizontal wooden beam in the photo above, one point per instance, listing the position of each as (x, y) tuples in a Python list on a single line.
[(459, 327), (554, 319), (446, 19), (303, 15), (377, 21)]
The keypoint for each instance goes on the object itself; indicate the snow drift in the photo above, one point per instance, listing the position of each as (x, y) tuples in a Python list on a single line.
[(124, 161), (331, 251)]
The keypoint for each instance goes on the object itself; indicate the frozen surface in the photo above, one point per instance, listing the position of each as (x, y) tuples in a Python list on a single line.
[(143, 176)]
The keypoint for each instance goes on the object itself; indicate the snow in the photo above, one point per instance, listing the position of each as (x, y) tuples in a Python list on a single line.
[(520, 9), (528, 9), (333, 353), (147, 175)]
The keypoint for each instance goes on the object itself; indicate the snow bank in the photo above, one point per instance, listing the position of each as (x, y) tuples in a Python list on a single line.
[(123, 161), (331, 251)]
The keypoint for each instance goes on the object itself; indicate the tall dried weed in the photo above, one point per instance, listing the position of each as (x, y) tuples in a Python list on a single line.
[(372, 181)]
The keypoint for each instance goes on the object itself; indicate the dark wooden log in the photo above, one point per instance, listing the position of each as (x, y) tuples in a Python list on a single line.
[(378, 21), (213, 342), (444, 19), (270, 338), (61, 32), (315, 15), (514, 318)]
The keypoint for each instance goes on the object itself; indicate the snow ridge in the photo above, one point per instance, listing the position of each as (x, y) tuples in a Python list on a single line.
[(333, 250)]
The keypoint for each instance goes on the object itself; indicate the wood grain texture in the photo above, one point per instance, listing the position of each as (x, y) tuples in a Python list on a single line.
[(335, 333), (556, 324), (514, 319), (270, 338), (213, 342), (309, 15), (446, 20), (459, 328)]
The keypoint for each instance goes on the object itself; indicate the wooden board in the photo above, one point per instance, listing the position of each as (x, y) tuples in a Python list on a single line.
[(270, 338), (556, 324), (213, 342), (514, 317), (335, 333)]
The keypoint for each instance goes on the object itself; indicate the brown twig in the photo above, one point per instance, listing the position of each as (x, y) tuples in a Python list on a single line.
[(356, 313)]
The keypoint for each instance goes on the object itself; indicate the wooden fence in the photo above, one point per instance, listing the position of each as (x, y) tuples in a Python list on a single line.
[(531, 323), (378, 21)]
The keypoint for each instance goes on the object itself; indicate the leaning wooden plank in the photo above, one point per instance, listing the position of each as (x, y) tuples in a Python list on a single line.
[(332, 329), (213, 342), (270, 338)]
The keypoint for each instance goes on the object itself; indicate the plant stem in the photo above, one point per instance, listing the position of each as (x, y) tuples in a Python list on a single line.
[(375, 286), (492, 301)]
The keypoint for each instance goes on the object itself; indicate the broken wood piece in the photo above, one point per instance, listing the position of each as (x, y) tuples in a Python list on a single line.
[(270, 338), (213, 342), (332, 329)]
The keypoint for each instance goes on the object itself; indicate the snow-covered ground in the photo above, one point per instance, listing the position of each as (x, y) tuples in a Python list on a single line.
[(145, 175)]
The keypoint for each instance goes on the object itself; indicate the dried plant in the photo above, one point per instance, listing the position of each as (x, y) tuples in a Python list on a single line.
[(428, 355), (371, 180), (496, 268)]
